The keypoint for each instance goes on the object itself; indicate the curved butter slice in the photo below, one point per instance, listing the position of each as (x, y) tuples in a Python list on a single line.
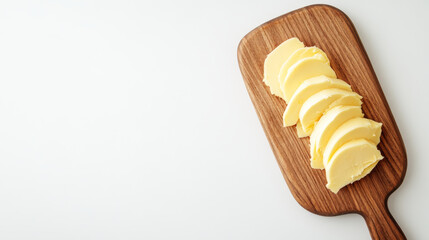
[(302, 70), (353, 161), (324, 129), (299, 54), (274, 62), (300, 131), (307, 89), (355, 128), (319, 103)]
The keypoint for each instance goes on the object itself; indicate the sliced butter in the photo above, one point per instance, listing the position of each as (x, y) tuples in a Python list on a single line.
[(319, 103), (274, 62), (302, 70), (355, 128), (353, 161), (307, 89), (300, 131), (299, 54), (324, 129)]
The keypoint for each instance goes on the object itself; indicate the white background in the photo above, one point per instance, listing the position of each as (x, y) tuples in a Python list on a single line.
[(130, 120)]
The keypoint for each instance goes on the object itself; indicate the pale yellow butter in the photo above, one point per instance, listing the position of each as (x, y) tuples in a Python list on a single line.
[(274, 62), (324, 129), (319, 103), (352, 129), (299, 54), (302, 70), (301, 132), (351, 162), (307, 89), (326, 109)]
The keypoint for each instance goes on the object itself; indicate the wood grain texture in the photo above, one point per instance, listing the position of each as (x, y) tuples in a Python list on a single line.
[(331, 30)]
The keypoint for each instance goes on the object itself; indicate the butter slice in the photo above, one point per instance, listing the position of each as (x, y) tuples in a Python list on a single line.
[(319, 103), (274, 62), (299, 54), (307, 89), (353, 161), (302, 70), (355, 128), (324, 129), (300, 130)]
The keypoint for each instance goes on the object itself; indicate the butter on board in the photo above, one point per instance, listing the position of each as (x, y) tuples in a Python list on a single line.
[(342, 141)]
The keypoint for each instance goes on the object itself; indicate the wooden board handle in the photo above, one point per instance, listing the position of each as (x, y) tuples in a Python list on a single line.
[(381, 224)]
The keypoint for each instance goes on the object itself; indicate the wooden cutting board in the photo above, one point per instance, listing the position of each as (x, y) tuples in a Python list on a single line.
[(331, 30)]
